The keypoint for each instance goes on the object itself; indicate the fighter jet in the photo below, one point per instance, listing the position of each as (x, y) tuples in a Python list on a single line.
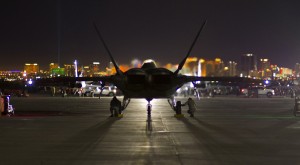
[(148, 82)]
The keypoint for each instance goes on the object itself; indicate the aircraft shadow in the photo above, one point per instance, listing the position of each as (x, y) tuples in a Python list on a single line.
[(216, 141), (85, 142)]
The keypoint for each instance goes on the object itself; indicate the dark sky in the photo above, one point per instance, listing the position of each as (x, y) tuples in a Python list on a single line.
[(163, 30)]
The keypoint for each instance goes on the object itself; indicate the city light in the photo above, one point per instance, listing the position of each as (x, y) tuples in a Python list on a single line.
[(262, 69), (76, 70), (267, 82), (30, 82)]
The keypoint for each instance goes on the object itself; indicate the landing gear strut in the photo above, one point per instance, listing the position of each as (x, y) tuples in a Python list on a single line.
[(149, 108), (125, 103), (149, 121), (171, 102)]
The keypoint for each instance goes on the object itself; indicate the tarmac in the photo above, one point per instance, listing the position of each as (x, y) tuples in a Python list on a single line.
[(79, 131)]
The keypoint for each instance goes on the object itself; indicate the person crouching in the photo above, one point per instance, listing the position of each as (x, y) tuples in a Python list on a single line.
[(115, 107), (192, 106)]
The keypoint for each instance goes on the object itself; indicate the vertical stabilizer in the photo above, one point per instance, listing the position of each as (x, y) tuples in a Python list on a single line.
[(119, 72), (189, 52)]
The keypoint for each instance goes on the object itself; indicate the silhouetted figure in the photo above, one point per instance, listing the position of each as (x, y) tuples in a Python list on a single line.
[(115, 107), (192, 106)]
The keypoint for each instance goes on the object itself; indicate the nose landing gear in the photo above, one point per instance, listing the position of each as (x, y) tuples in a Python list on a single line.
[(149, 121), (149, 108)]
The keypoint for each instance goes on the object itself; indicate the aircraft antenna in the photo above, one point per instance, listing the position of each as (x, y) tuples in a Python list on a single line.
[(119, 72), (188, 54)]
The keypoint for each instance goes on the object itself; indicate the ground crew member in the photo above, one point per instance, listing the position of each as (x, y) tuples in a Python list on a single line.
[(115, 104), (192, 106), (53, 91), (63, 92)]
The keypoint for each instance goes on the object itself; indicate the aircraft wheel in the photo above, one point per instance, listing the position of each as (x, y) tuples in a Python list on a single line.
[(116, 112), (149, 110)]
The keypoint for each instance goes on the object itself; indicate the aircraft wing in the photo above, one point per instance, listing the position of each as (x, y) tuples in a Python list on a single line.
[(220, 79), (70, 81)]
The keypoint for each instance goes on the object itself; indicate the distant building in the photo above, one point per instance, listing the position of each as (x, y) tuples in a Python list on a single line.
[(275, 71), (171, 67), (265, 68), (297, 70), (69, 70), (284, 73), (55, 70), (31, 68), (191, 66), (95, 69), (110, 70), (248, 65), (11, 75), (53, 66), (232, 69), (264, 64), (211, 67), (87, 71)]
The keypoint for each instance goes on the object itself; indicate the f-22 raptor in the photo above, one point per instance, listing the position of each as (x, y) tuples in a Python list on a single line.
[(149, 81)]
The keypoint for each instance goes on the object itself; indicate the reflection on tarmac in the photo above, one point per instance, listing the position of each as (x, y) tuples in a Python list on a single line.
[(47, 130)]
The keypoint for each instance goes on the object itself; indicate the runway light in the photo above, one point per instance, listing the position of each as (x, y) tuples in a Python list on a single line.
[(30, 82), (267, 82)]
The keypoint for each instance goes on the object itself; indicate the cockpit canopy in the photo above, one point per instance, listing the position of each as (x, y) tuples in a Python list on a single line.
[(149, 64)]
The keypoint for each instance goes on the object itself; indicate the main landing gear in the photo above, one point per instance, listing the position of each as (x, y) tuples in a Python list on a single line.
[(176, 107), (125, 103)]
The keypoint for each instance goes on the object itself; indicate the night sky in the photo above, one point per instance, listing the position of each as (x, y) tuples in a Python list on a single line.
[(40, 31)]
